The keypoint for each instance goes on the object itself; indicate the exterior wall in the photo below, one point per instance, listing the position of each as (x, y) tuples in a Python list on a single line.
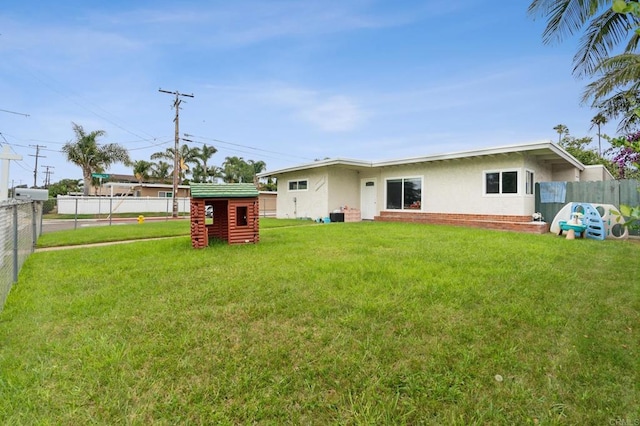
[(227, 224), (344, 189), (597, 173), (309, 203), (457, 186), (564, 173), (199, 237), (239, 232), (268, 203)]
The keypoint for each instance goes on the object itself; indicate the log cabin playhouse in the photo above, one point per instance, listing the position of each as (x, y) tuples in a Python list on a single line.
[(235, 213)]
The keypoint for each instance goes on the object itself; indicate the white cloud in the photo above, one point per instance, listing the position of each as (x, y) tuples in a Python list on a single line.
[(335, 114), (328, 113)]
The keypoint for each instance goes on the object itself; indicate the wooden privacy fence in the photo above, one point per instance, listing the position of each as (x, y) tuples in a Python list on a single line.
[(614, 192)]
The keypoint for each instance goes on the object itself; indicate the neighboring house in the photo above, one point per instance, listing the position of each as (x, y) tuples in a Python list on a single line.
[(162, 190), (492, 188)]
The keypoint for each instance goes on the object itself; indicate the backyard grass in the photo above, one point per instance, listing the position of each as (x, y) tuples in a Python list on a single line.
[(149, 229), (350, 323)]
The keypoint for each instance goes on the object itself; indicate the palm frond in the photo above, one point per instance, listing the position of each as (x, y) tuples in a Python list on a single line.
[(565, 17), (604, 33)]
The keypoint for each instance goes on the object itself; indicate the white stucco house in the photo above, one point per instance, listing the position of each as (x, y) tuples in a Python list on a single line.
[(492, 188)]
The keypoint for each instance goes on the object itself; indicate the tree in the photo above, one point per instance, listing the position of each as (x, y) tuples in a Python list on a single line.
[(562, 131), (206, 152), (64, 187), (605, 29), (598, 121), (236, 169), (142, 170), (91, 157), (161, 171), (626, 155), (186, 156)]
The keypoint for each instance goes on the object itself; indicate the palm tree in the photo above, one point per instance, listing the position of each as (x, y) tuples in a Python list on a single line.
[(186, 156), (206, 152), (562, 130), (91, 157), (615, 92), (142, 169), (598, 121), (258, 167), (605, 29), (161, 171)]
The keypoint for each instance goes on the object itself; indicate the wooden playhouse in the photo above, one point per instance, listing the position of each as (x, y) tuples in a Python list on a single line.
[(229, 212)]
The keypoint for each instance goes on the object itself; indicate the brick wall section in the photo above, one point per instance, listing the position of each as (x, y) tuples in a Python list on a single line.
[(500, 222)]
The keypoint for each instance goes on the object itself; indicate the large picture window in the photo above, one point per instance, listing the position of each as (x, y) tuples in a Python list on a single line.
[(298, 185), (501, 182), (404, 194)]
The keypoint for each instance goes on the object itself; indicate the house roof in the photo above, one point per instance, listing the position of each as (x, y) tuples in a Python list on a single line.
[(546, 151), (229, 190)]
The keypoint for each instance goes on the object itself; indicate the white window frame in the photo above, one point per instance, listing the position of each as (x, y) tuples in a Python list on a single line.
[(529, 187), (298, 184), (403, 178), (500, 193), (165, 194)]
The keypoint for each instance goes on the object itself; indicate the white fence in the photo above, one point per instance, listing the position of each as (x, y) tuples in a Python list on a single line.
[(109, 205)]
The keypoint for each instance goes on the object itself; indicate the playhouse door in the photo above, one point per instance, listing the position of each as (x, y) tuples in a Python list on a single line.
[(368, 198)]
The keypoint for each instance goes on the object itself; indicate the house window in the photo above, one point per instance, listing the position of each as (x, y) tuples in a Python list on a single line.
[(298, 185), (241, 216), (530, 183), (165, 194), (501, 182), (404, 194)]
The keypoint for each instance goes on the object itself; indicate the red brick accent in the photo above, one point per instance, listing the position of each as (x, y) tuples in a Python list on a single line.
[(501, 222)]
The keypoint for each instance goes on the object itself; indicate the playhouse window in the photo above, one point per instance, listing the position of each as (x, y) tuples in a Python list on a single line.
[(501, 182), (404, 193), (241, 216), (298, 185)]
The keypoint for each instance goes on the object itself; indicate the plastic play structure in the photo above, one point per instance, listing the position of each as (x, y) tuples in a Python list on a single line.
[(595, 221)]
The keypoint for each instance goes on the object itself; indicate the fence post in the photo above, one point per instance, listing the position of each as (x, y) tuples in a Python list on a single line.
[(75, 221), (110, 209), (15, 243), (34, 226)]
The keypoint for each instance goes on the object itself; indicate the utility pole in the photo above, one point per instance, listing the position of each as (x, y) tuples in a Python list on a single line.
[(35, 170), (176, 159), (47, 174)]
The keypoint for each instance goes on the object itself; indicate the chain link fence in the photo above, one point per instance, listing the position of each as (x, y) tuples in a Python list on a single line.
[(20, 227)]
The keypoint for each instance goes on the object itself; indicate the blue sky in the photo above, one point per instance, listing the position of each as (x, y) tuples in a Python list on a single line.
[(285, 82)]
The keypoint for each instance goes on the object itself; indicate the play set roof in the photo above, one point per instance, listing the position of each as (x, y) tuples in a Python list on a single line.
[(228, 190)]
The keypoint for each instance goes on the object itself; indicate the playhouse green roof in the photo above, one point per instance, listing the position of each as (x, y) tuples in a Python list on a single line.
[(229, 190)]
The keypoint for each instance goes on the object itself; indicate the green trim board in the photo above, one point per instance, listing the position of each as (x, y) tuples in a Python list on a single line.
[(229, 190)]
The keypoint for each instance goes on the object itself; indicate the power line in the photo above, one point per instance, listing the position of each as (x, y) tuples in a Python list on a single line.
[(13, 112), (247, 147)]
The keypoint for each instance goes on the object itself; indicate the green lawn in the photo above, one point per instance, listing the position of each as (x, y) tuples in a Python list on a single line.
[(350, 323), (148, 229)]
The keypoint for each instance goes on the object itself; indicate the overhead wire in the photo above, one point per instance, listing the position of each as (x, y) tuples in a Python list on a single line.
[(248, 147)]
